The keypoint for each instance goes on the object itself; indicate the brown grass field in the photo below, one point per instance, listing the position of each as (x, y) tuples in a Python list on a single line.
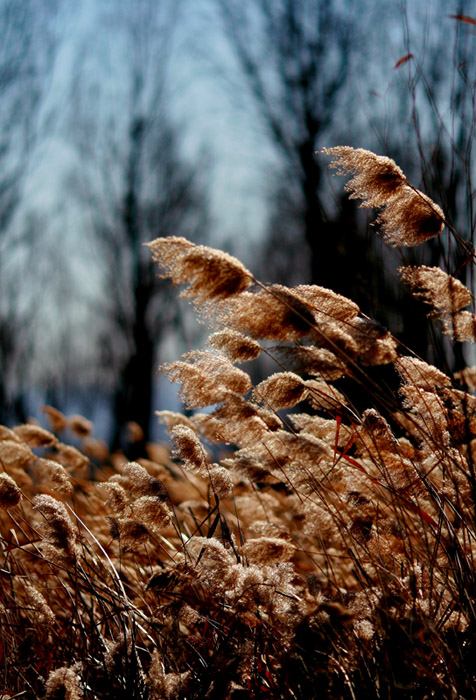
[(288, 545)]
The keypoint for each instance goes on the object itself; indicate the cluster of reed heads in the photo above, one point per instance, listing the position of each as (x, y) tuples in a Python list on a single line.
[(288, 545)]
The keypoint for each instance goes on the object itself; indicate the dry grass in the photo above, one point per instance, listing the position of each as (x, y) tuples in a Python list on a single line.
[(289, 546)]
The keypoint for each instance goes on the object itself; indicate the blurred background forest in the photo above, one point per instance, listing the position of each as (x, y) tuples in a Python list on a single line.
[(125, 120)]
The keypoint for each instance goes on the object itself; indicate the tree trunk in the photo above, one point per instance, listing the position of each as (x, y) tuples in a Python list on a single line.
[(133, 396)]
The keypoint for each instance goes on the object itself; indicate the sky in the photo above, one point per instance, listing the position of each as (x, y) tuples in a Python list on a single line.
[(218, 126)]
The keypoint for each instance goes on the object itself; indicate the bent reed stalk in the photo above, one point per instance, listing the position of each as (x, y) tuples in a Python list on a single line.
[(289, 545)]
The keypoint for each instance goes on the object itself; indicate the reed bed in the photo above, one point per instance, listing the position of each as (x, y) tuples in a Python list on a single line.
[(287, 544)]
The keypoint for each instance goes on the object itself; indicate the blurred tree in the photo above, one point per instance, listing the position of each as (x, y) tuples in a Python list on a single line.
[(137, 186), (429, 130), (28, 46), (299, 58), (295, 57)]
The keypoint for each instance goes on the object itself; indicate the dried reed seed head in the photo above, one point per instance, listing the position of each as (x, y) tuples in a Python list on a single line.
[(249, 466), (467, 377), (44, 615), (197, 389), (142, 483), (70, 457), (214, 557), (376, 180), (15, 454), (421, 374), (151, 513), (166, 686), (268, 550), (460, 325), (235, 408), (210, 428), (408, 216), (8, 434), (263, 528), (435, 287), (209, 273), (273, 313), (221, 481), (206, 378), (10, 494), (326, 302), (216, 274), (80, 426), (411, 219), (58, 528), (282, 448), (189, 448), (221, 369), (376, 346), (117, 497), (114, 530), (65, 683), (165, 251), (376, 434), (57, 420), (377, 426), (134, 432), (336, 337), (307, 359), (57, 475), (170, 419), (131, 532), (281, 390), (35, 436), (323, 428), (238, 421), (236, 346), (430, 415), (323, 395), (96, 449)]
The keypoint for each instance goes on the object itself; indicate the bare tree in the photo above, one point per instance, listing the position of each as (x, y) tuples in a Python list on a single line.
[(137, 186), (295, 56), (27, 49)]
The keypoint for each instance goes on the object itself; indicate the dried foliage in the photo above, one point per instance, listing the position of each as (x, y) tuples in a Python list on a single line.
[(407, 217), (319, 553)]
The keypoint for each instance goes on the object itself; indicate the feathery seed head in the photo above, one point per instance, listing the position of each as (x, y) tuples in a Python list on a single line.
[(206, 379), (35, 436), (63, 682), (268, 550), (236, 346), (189, 449), (57, 475), (436, 287), (408, 217), (80, 426), (142, 483), (411, 219), (209, 273), (57, 420), (273, 313), (281, 390), (58, 529), (10, 494), (151, 513), (460, 325), (15, 454), (420, 374), (376, 179), (221, 481), (116, 495)]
